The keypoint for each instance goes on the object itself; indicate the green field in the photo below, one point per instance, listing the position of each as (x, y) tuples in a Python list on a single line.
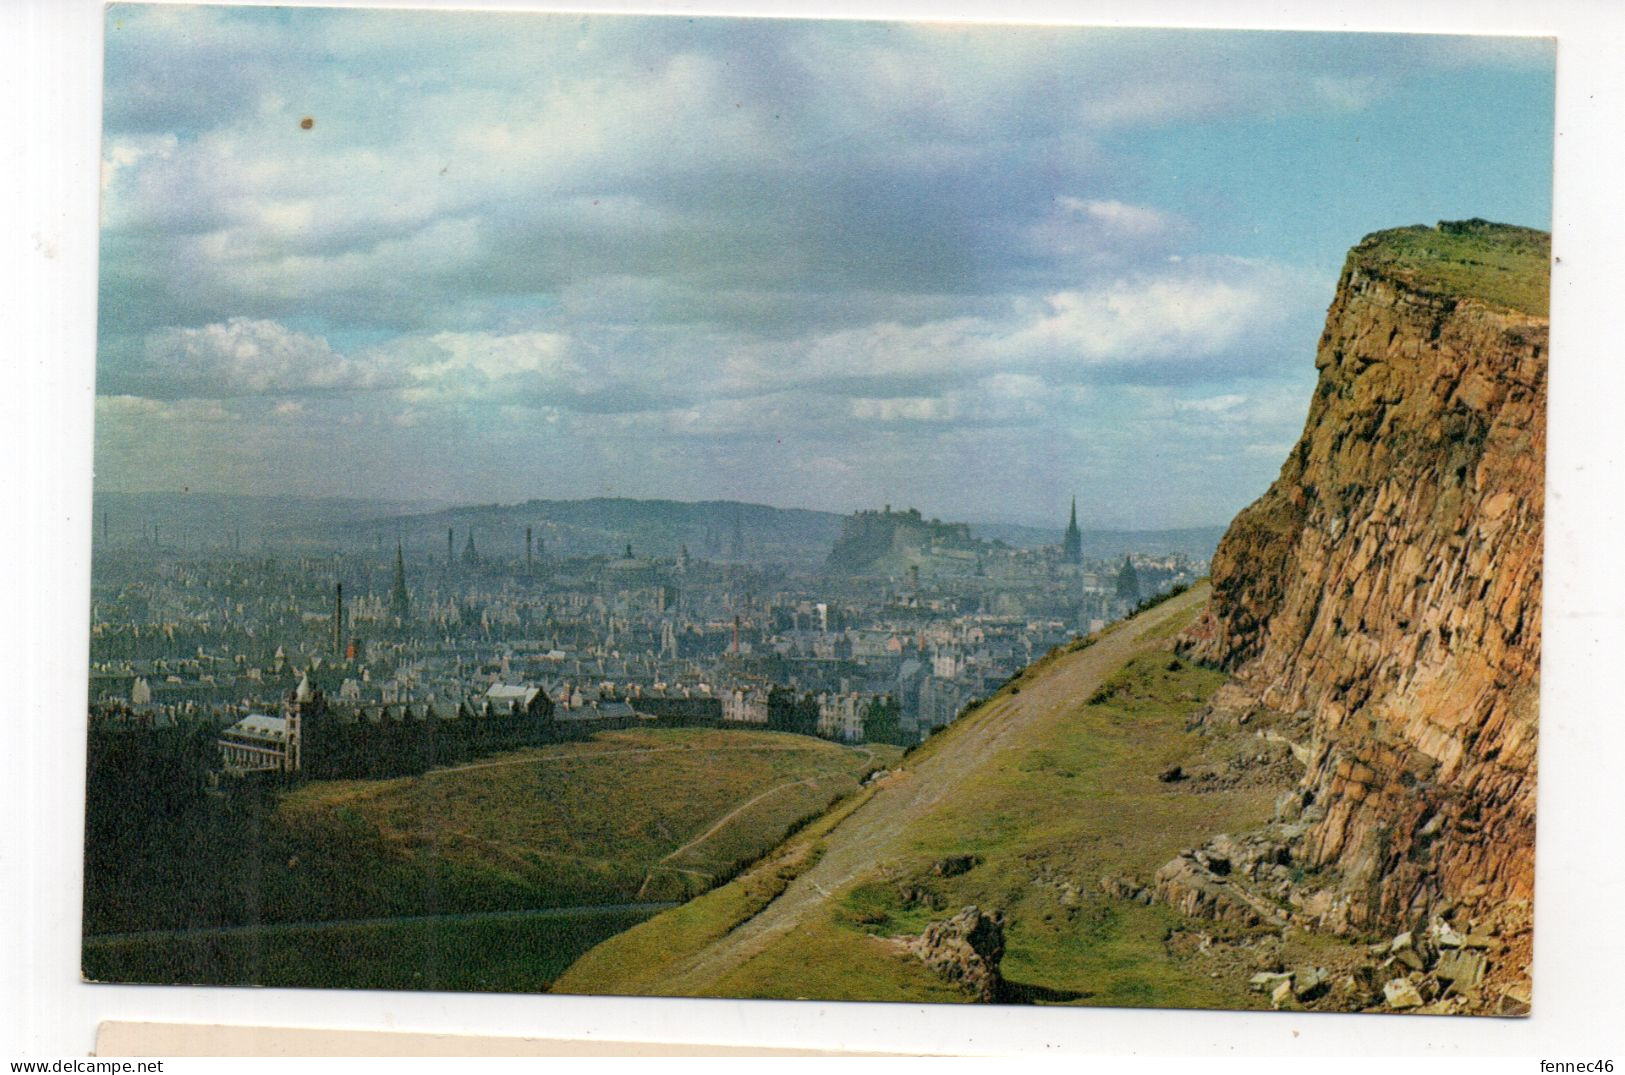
[(1072, 799), (612, 819), (501, 954), (624, 817)]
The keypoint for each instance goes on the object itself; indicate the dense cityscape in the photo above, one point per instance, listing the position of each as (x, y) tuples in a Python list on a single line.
[(905, 623)]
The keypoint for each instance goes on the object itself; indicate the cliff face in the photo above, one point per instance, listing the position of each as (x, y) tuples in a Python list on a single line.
[(1389, 582)]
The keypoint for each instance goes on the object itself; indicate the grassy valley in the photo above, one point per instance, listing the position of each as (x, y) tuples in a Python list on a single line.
[(414, 882)]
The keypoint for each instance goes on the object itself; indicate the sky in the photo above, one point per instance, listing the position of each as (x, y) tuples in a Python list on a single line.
[(478, 257)]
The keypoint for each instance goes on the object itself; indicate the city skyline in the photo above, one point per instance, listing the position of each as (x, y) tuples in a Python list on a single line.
[(974, 269)]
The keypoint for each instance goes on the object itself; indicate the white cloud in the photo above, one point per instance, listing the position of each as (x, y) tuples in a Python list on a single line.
[(245, 356), (1211, 405), (125, 413), (1189, 312), (1119, 216)]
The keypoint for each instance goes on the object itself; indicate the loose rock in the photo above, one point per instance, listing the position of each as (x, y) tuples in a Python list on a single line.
[(966, 949), (1401, 995)]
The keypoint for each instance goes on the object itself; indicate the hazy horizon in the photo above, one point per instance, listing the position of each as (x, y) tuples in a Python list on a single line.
[(430, 507), (830, 265)]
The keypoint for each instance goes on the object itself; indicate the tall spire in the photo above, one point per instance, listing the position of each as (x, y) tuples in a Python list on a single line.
[(338, 621), (1072, 544), (400, 602)]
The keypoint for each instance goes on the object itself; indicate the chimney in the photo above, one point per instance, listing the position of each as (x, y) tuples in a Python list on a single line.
[(338, 620), (527, 550), (450, 558)]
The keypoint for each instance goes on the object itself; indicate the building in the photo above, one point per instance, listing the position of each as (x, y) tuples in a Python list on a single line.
[(260, 744), (507, 698), (743, 706), (400, 600), (1072, 544), (840, 716), (264, 744)]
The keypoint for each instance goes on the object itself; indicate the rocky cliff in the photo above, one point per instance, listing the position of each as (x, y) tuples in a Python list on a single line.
[(1387, 588)]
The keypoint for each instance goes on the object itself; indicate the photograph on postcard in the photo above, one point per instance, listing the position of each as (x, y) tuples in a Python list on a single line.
[(800, 508)]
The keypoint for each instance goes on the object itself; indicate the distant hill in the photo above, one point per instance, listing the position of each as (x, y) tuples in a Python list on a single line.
[(601, 526), (199, 520), (718, 530)]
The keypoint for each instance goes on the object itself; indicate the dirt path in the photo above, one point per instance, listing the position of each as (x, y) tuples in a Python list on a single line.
[(875, 832), (809, 781)]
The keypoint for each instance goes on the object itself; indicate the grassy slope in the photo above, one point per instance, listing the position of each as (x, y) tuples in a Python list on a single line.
[(1497, 263), (507, 955), (572, 823), (1075, 799), (565, 825)]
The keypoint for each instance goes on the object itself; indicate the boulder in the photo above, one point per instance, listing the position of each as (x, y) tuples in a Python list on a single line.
[(1362, 988), (1446, 937), (1190, 887), (1267, 981), (1123, 888), (1289, 806), (1462, 968), (966, 949), (954, 865), (1401, 995), (1310, 983)]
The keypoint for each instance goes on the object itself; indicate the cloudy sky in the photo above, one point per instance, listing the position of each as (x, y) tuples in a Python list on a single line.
[(818, 264)]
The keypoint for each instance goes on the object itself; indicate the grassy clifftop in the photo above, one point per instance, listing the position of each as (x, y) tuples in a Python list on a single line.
[(1500, 264)]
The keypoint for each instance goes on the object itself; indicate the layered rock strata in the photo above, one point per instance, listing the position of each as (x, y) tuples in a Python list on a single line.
[(1389, 583)]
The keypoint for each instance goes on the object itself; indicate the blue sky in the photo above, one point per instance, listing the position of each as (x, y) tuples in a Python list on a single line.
[(831, 265)]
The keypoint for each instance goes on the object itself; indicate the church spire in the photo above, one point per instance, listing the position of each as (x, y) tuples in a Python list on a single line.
[(400, 602), (1072, 544)]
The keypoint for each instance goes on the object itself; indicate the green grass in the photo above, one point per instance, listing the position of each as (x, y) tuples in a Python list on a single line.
[(522, 955), (824, 961), (637, 961), (1496, 263), (1076, 801), (574, 824)]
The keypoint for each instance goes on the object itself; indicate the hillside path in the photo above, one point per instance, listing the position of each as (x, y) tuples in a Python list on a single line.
[(877, 831)]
